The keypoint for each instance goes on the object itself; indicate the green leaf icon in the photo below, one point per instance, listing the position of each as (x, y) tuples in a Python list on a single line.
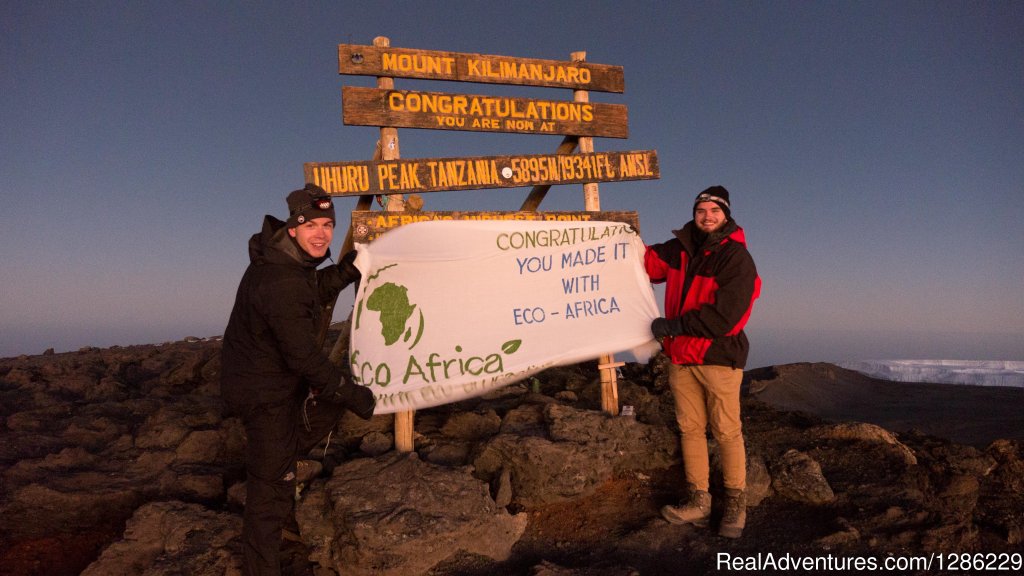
[(511, 346)]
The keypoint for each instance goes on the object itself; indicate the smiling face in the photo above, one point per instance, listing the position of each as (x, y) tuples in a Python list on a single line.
[(314, 236), (709, 217)]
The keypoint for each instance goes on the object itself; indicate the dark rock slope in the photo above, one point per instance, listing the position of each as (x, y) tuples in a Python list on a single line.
[(974, 415), (119, 461)]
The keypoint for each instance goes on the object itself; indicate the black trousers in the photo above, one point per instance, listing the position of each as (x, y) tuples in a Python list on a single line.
[(276, 437)]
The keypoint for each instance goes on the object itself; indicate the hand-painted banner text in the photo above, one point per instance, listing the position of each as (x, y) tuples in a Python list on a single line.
[(448, 310)]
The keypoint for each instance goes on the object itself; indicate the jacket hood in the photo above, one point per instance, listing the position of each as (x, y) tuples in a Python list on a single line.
[(273, 245)]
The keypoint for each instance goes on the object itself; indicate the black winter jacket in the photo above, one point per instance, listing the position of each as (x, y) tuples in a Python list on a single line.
[(270, 350)]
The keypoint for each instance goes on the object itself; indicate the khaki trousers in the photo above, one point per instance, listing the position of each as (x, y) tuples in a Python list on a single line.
[(709, 395)]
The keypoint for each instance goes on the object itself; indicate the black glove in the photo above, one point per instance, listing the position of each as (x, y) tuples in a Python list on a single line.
[(348, 271), (662, 327), (358, 399)]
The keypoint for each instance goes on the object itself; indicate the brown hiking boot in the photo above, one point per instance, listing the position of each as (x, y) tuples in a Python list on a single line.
[(695, 510), (735, 516)]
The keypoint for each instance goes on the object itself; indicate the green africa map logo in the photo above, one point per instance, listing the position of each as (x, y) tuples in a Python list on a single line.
[(391, 302), (402, 322)]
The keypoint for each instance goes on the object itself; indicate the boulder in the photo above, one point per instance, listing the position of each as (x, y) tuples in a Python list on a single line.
[(864, 432), (174, 538), (579, 450), (398, 515), (798, 477)]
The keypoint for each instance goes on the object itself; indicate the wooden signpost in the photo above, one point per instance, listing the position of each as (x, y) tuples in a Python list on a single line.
[(445, 174), (443, 111), (483, 68), (367, 225), (389, 177)]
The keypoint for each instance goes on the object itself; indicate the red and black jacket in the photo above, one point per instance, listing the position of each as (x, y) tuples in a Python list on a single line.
[(711, 288)]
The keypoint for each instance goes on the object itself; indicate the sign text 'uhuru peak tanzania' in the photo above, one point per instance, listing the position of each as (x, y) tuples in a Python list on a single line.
[(438, 174)]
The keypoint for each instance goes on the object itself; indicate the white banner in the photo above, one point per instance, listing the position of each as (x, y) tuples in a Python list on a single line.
[(448, 310)]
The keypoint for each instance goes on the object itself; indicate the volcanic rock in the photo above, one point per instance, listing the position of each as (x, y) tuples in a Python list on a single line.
[(121, 459)]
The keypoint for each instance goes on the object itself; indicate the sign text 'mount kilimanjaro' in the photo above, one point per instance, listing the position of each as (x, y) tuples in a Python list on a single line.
[(480, 113), (485, 68), (438, 174)]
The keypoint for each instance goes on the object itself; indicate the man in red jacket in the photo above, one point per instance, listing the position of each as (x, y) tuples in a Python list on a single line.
[(711, 285)]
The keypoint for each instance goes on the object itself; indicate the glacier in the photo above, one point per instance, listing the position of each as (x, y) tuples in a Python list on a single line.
[(969, 372)]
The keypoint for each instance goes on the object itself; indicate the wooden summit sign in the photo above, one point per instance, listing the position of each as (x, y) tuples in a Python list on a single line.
[(388, 176), (440, 174), (480, 113), (463, 67), (367, 225)]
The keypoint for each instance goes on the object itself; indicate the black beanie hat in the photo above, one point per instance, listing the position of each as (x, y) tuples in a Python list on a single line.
[(309, 203), (717, 194)]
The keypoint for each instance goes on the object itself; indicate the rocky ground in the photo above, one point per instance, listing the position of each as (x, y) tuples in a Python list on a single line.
[(119, 461)]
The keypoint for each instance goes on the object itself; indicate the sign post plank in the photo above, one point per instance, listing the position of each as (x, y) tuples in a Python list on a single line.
[(483, 68), (368, 225), (481, 113), (445, 174)]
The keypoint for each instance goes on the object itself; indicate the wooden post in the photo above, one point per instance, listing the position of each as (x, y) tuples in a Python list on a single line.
[(395, 203), (387, 149), (364, 202), (592, 203)]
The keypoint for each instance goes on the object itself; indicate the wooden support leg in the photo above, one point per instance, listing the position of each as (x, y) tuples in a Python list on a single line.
[(592, 202), (404, 424)]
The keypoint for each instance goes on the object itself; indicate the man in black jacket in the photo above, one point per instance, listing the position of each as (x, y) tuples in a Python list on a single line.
[(275, 373)]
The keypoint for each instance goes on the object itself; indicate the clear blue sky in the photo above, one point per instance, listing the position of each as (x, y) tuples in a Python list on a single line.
[(874, 151)]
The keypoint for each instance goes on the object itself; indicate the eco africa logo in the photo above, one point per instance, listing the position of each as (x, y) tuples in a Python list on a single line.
[(391, 302), (401, 322)]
